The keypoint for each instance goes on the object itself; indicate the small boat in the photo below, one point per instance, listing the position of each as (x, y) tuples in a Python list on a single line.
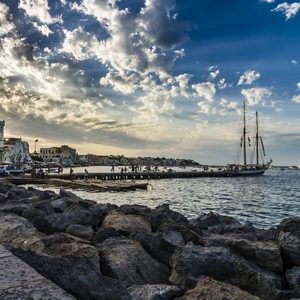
[(258, 167)]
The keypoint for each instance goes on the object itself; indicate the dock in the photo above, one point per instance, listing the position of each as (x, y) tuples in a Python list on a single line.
[(109, 182), (147, 175)]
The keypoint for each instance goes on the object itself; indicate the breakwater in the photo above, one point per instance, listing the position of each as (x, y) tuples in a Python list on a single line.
[(96, 250)]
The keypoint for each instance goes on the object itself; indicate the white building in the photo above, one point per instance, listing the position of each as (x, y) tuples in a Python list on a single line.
[(13, 150)]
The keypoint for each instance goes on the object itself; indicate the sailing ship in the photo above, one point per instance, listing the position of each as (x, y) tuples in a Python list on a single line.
[(258, 167)]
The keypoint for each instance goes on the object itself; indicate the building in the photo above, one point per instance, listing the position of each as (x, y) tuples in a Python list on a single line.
[(62, 155)]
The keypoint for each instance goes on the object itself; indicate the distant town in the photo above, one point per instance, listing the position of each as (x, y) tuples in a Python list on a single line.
[(15, 151)]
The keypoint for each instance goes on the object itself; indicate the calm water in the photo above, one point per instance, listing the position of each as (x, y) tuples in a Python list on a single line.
[(263, 200)]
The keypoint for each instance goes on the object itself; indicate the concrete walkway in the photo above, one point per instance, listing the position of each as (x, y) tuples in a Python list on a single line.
[(18, 281)]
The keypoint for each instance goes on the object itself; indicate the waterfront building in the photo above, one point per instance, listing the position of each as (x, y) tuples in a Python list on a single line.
[(63, 155)]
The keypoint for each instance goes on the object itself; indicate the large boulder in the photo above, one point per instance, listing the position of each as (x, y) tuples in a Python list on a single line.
[(161, 245), (18, 232), (77, 253), (267, 255), (154, 292), (290, 248), (192, 263), (126, 260), (259, 282), (83, 232), (216, 290), (105, 233), (125, 223), (78, 280), (293, 278), (74, 214)]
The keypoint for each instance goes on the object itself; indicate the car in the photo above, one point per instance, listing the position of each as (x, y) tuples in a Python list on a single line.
[(7, 170)]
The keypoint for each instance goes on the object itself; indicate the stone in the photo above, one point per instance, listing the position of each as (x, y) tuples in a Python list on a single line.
[(74, 214), (192, 263), (290, 248), (84, 232), (104, 233), (259, 282), (267, 255), (209, 288), (126, 260), (154, 292), (125, 223), (78, 280), (161, 245), (18, 232)]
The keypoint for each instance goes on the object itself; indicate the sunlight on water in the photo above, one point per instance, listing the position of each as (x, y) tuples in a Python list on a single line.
[(264, 200)]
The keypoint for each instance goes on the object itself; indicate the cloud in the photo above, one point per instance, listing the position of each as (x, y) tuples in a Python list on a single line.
[(248, 77), (296, 99), (268, 1), (44, 29), (38, 9), (255, 95), (289, 10), (206, 90), (213, 75), (294, 62)]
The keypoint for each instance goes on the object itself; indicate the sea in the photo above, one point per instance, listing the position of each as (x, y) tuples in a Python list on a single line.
[(264, 201)]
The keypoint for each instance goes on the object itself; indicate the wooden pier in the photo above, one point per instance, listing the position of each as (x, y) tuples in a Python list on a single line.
[(149, 175), (112, 181)]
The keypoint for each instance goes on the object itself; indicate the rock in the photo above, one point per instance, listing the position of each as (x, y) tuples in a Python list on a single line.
[(259, 282), (156, 217), (83, 232), (5, 187), (267, 255), (59, 205), (3, 199), (216, 290), (187, 234), (293, 278), (105, 233), (125, 223), (74, 251), (19, 193), (74, 214), (16, 207), (192, 263), (291, 225), (18, 232), (173, 215), (154, 292), (161, 245), (290, 248), (99, 212), (68, 194), (78, 280), (215, 223), (126, 260)]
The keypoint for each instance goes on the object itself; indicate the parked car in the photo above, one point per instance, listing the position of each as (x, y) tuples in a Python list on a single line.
[(7, 170)]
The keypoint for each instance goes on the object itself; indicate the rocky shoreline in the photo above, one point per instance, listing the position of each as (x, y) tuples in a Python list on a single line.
[(96, 250)]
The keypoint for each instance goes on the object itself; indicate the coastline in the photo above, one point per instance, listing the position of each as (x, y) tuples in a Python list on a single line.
[(103, 251)]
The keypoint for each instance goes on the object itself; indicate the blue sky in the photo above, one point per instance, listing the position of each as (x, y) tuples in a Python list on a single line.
[(151, 78)]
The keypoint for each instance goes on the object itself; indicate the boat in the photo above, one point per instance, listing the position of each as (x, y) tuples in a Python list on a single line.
[(248, 167)]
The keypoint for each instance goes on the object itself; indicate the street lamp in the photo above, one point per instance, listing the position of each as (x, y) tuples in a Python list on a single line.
[(35, 146)]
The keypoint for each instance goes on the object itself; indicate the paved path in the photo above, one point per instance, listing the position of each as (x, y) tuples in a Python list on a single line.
[(18, 281)]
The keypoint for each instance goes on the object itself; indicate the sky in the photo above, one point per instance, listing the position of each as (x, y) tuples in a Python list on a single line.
[(151, 78)]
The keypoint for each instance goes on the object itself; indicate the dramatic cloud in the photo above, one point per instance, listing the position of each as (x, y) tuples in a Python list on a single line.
[(289, 10), (248, 77), (38, 9), (255, 95)]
